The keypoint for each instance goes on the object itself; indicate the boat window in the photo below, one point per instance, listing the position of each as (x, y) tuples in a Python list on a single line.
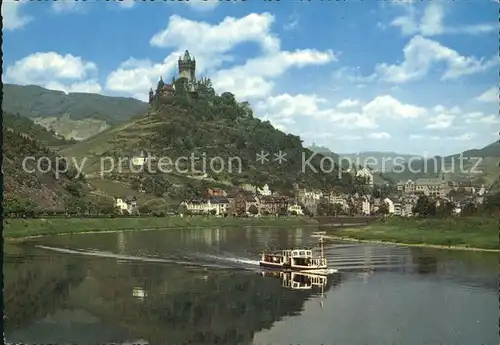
[(301, 252)]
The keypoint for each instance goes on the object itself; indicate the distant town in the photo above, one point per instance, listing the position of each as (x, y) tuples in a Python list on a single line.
[(399, 200)]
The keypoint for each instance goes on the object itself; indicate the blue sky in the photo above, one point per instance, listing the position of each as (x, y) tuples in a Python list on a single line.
[(354, 76)]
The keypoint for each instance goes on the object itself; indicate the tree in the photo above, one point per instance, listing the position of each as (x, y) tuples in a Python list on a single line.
[(445, 209), (213, 212), (183, 209), (383, 209), (337, 209), (469, 210), (425, 207), (253, 209)]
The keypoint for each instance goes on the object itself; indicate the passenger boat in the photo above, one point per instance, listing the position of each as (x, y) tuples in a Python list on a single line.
[(298, 260)]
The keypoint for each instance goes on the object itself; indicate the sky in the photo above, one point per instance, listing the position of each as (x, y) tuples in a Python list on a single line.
[(408, 77)]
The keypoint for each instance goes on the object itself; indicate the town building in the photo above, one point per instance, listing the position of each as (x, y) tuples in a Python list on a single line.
[(217, 205), (264, 191), (366, 174), (126, 205), (390, 205), (429, 187), (295, 209)]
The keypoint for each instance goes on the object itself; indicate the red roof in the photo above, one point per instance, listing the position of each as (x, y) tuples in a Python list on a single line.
[(168, 87)]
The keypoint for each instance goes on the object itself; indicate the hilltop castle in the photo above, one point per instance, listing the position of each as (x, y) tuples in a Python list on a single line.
[(186, 81)]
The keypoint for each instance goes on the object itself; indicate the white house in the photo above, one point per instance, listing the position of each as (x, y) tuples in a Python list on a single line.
[(366, 173), (141, 158), (296, 208), (390, 205), (264, 191), (397, 209), (218, 204), (365, 206), (126, 204)]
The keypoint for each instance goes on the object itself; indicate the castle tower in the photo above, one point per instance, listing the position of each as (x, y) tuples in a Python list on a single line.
[(187, 68), (151, 95)]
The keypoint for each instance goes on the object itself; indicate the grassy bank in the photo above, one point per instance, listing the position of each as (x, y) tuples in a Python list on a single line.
[(20, 228), (460, 233)]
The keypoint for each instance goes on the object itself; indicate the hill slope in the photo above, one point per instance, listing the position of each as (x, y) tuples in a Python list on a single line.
[(78, 115), (377, 160), (475, 164), (216, 126), (20, 124), (28, 187)]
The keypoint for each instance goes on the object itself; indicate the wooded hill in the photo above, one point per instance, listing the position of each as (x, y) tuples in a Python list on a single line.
[(72, 114), (218, 126)]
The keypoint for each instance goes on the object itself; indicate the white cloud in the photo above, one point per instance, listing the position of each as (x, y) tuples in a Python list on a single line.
[(250, 79), (212, 44), (379, 135), (49, 69), (441, 121), (460, 137), (216, 39), (64, 7), (388, 107), (12, 17), (127, 3), (313, 106), (203, 5), (348, 103), (421, 54), (480, 118), (136, 77), (490, 95), (431, 23), (416, 136)]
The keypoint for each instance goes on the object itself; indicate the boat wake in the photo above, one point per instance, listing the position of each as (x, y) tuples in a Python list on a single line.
[(194, 261), (234, 260)]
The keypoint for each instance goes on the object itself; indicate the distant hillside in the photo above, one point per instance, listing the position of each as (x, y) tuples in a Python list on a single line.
[(73, 115), (350, 163), (480, 165), (377, 160), (216, 125), (23, 125), (33, 189)]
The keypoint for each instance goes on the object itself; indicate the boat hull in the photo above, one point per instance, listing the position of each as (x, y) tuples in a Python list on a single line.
[(311, 269)]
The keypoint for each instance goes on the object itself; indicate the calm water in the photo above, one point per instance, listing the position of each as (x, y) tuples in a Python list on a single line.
[(205, 287)]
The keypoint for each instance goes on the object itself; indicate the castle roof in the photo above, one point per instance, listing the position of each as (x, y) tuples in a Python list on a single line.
[(186, 57)]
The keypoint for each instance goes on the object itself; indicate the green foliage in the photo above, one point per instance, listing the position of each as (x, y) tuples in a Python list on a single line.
[(18, 207), (383, 209), (253, 209), (35, 101), (24, 125), (425, 207)]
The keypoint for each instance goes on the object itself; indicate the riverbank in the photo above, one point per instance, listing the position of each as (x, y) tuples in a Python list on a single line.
[(23, 228), (454, 233)]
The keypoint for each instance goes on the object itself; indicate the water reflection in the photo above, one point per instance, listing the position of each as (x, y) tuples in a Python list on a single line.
[(201, 287)]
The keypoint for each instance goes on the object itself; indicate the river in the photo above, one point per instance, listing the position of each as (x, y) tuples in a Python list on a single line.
[(205, 287)]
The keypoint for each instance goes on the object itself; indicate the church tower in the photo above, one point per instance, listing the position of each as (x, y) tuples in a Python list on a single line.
[(187, 68)]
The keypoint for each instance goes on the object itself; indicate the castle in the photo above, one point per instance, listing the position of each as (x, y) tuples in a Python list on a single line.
[(186, 81)]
